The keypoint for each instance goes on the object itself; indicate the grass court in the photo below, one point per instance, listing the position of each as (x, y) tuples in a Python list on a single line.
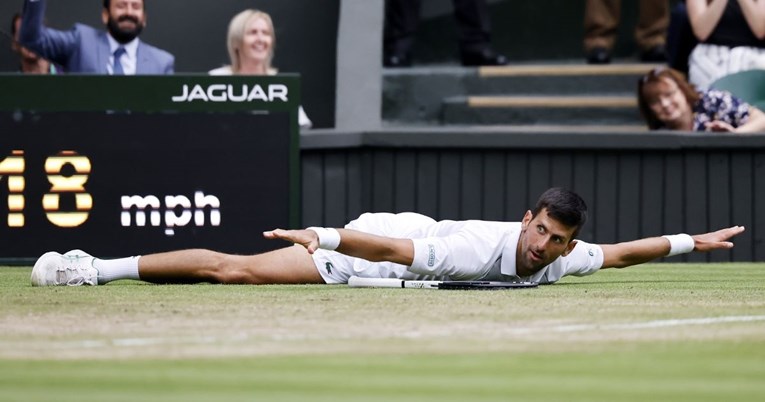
[(659, 332)]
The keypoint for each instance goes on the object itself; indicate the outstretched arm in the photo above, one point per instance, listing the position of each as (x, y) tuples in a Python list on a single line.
[(32, 23), (353, 243), (51, 44), (755, 123), (639, 251)]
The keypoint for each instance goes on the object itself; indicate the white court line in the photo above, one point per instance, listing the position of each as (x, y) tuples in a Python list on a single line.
[(657, 323), (202, 340)]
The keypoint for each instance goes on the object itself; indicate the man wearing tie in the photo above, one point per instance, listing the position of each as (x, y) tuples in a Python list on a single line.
[(83, 49)]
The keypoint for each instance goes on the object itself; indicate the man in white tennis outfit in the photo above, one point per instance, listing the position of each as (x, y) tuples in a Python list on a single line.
[(541, 248)]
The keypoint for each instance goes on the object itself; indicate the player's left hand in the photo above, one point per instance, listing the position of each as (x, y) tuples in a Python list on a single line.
[(306, 238), (717, 239)]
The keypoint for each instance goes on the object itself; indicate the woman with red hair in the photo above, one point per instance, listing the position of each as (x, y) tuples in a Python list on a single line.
[(667, 101)]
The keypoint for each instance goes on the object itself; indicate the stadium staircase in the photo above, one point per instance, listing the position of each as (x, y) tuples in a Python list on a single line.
[(554, 94)]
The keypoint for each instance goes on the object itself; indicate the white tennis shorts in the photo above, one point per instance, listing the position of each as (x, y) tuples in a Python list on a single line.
[(337, 268)]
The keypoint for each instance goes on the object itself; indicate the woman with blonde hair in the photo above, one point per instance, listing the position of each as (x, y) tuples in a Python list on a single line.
[(251, 42)]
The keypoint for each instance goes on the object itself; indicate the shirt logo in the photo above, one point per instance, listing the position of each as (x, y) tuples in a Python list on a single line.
[(591, 252), (431, 255), (328, 266)]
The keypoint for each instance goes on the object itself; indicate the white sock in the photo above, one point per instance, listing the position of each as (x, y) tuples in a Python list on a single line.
[(111, 270)]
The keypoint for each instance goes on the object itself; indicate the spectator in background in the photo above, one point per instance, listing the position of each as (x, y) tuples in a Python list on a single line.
[(667, 101), (403, 16), (601, 20), (250, 42), (731, 35), (29, 61), (84, 49)]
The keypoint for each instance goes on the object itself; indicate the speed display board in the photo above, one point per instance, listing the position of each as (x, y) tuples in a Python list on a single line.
[(126, 182)]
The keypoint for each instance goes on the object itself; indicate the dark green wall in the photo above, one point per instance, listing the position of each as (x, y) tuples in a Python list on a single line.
[(636, 184)]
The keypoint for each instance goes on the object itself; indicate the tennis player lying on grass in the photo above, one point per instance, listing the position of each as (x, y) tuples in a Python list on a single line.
[(541, 248)]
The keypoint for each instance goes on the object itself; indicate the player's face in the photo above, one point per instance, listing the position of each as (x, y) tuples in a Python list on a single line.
[(542, 241), (667, 102), (125, 19), (258, 40)]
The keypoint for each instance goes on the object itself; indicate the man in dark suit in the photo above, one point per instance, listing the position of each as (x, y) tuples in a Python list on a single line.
[(83, 49), (403, 16)]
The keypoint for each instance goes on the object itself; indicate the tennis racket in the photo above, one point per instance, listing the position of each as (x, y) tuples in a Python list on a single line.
[(357, 282)]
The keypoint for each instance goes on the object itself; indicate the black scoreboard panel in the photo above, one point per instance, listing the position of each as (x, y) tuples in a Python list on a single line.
[(119, 184)]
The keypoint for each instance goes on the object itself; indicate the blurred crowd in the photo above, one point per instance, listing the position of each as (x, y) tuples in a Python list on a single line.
[(700, 42)]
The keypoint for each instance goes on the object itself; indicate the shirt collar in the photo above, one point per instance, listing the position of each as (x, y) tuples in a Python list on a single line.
[(131, 48), (508, 252)]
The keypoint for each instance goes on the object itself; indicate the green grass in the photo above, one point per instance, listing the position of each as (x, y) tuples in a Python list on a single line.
[(130, 341), (690, 372)]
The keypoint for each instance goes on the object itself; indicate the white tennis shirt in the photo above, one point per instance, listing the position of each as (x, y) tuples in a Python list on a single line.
[(455, 250)]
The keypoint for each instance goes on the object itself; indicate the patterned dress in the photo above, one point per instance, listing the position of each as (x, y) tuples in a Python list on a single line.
[(719, 105)]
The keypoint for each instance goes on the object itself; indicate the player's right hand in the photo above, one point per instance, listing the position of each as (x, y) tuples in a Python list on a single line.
[(304, 237)]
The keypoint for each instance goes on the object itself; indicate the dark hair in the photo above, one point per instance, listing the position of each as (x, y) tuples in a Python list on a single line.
[(564, 206), (655, 76), (108, 3)]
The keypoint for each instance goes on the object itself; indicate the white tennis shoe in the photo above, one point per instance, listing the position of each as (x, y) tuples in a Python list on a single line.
[(75, 268)]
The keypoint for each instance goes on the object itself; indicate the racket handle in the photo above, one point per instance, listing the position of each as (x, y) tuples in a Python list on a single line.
[(358, 282)]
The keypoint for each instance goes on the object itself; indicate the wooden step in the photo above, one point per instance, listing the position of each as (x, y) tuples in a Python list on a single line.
[(566, 70), (417, 95), (541, 110), (552, 101)]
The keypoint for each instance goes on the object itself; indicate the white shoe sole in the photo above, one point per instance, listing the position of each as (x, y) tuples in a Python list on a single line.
[(41, 268)]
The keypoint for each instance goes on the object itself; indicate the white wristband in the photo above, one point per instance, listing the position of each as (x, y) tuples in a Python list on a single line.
[(680, 244), (329, 238)]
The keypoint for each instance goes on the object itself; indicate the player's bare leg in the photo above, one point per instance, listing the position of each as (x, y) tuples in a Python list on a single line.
[(76, 267), (283, 266)]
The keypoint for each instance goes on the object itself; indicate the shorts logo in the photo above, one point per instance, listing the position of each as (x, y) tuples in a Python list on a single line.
[(328, 266), (590, 252), (431, 255)]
